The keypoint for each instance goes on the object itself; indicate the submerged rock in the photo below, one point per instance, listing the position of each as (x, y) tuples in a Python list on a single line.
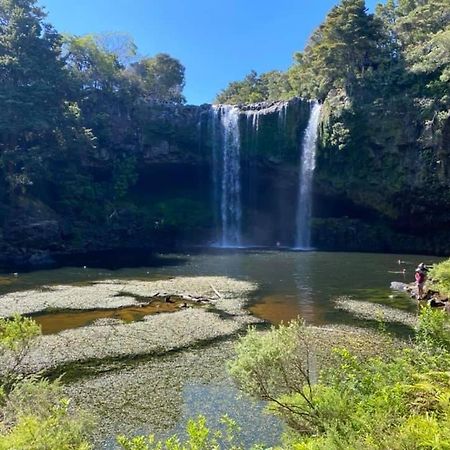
[(398, 286)]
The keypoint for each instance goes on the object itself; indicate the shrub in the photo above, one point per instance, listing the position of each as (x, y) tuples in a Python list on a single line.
[(439, 278), (16, 337), (433, 329), (49, 429), (34, 413), (199, 437), (398, 401)]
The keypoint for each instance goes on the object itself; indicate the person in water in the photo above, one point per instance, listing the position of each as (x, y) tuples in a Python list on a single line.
[(420, 276)]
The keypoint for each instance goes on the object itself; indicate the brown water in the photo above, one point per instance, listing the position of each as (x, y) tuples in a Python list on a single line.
[(290, 284), (55, 322)]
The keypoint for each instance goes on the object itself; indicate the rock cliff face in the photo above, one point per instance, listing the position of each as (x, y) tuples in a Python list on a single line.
[(148, 183), (381, 183), (382, 179)]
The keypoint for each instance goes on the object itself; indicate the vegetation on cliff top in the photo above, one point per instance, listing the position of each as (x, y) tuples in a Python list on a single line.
[(403, 45)]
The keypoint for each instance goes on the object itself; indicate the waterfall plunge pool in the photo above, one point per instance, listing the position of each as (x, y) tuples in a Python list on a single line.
[(159, 395), (290, 283)]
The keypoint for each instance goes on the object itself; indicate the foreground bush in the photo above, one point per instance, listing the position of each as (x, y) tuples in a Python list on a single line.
[(16, 338), (439, 278), (199, 437), (36, 417), (34, 414), (401, 401)]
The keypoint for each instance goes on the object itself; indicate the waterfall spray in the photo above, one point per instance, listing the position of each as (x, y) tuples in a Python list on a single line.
[(306, 175)]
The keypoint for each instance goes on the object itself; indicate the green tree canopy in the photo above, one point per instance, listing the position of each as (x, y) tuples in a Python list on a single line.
[(341, 51), (423, 28), (161, 78), (349, 45), (268, 86), (93, 67), (32, 79), (121, 45)]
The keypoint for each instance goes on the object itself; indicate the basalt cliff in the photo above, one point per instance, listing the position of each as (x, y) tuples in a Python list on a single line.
[(381, 183)]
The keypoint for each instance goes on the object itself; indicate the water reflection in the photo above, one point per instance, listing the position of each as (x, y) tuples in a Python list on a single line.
[(303, 281), (54, 322), (290, 284), (217, 400)]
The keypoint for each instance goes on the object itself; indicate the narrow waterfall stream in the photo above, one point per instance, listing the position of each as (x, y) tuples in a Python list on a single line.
[(306, 176), (227, 173)]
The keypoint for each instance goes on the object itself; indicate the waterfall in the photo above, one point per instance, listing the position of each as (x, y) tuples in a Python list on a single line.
[(226, 173), (306, 174), (282, 117)]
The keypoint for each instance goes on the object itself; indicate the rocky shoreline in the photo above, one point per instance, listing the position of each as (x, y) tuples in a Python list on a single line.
[(374, 311), (222, 315)]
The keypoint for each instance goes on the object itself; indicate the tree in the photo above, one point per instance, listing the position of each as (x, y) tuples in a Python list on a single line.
[(161, 77), (249, 90), (121, 45), (269, 86), (32, 79), (341, 51), (388, 14), (277, 85), (424, 31), (100, 84), (93, 68)]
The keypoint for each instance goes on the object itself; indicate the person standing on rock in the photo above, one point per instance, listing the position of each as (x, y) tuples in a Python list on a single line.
[(420, 276)]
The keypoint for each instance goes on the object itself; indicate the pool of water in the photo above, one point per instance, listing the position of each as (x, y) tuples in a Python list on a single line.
[(291, 284)]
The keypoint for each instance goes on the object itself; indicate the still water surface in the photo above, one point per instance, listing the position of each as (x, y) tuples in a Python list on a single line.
[(290, 284)]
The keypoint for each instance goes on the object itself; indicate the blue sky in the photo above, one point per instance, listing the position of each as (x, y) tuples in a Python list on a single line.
[(218, 41)]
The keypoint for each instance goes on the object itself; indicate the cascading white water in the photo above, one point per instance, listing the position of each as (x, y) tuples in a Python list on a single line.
[(282, 117), (253, 120), (307, 167), (227, 176)]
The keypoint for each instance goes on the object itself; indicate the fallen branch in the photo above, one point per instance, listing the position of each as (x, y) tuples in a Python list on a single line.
[(216, 291)]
